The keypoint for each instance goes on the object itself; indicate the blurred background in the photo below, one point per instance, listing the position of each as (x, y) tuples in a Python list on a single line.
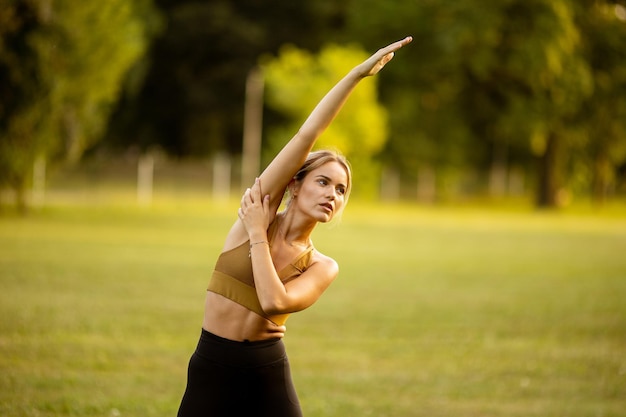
[(508, 99), (126, 126)]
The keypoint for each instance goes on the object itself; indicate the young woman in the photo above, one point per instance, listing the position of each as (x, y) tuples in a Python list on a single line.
[(269, 269)]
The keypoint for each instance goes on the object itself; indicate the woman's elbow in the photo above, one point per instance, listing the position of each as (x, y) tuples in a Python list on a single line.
[(274, 306)]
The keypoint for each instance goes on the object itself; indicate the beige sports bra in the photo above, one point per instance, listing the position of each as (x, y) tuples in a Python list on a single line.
[(233, 277)]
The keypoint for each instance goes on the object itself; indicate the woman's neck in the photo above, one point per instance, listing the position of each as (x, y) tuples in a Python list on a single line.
[(294, 231)]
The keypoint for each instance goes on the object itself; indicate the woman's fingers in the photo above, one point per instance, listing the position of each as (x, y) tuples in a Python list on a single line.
[(378, 60), (255, 192), (252, 194), (266, 202), (278, 331), (384, 55), (252, 197), (244, 197), (397, 45)]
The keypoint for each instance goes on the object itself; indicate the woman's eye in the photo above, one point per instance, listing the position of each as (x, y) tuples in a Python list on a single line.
[(341, 190)]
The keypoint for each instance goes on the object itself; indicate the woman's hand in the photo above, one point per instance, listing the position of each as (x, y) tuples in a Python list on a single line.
[(255, 212), (378, 60)]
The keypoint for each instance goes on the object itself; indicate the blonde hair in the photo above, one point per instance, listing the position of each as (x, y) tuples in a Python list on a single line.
[(316, 159)]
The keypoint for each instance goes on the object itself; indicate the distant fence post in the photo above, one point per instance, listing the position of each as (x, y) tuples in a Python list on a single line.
[(499, 170), (390, 184), (39, 181), (221, 176), (145, 178), (426, 184), (252, 127)]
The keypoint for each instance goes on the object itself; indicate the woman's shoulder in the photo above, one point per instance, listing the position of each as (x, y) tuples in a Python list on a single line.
[(325, 262), (237, 235)]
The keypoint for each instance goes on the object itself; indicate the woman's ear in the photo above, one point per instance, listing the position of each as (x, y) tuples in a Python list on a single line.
[(293, 188)]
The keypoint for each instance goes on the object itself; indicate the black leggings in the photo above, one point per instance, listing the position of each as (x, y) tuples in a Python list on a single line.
[(228, 378)]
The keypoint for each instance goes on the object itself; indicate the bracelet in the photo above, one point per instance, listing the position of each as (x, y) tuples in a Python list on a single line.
[(259, 242), (256, 243)]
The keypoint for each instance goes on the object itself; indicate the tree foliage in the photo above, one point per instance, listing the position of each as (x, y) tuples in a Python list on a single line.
[(486, 89), (61, 66), (191, 100), (603, 113), (503, 83)]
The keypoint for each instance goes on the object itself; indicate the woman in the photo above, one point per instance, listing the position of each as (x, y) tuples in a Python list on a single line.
[(269, 269)]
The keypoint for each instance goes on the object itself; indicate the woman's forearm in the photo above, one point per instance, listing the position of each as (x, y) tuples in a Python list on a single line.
[(284, 166), (328, 107), (270, 290), (326, 110)]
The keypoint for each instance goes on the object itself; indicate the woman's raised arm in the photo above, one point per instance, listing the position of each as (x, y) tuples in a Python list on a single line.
[(281, 170), (290, 159)]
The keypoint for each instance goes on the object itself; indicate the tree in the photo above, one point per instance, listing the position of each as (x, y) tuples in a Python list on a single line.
[(407, 89), (19, 88), (484, 88), (603, 25), (61, 65), (190, 101), (528, 88), (485, 84)]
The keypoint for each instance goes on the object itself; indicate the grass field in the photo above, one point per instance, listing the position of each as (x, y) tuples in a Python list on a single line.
[(437, 311)]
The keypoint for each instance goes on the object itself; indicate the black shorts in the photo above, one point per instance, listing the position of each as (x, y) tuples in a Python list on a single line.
[(228, 378)]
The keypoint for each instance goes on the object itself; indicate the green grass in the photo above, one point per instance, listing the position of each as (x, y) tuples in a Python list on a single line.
[(437, 311)]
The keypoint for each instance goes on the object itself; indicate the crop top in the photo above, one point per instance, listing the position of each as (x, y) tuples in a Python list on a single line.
[(233, 278)]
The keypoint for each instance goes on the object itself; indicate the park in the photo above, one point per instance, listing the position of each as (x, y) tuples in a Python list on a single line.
[(481, 254)]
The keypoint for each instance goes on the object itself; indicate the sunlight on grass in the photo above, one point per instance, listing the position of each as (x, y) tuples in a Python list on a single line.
[(437, 311)]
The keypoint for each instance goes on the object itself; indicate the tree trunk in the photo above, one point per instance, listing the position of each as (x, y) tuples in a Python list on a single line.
[(145, 178), (19, 187), (390, 184), (601, 178), (548, 186), (426, 184), (253, 127), (39, 181), (499, 170)]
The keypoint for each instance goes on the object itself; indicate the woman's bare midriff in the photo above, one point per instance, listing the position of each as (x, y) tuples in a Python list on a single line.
[(225, 318)]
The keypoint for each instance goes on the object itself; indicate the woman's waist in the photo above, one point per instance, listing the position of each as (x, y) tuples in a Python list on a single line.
[(226, 352), (230, 320)]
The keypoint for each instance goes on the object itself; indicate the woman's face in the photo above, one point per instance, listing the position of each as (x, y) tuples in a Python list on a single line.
[(321, 194)]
